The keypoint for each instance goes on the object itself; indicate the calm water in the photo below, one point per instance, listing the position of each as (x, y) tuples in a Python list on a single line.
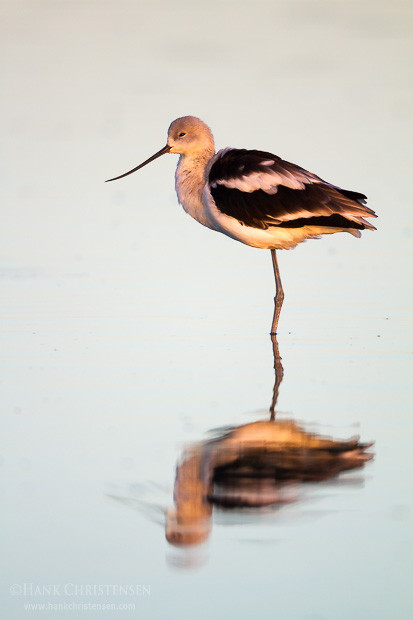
[(129, 331)]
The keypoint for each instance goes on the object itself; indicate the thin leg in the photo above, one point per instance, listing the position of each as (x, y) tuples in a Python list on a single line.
[(279, 373), (279, 294)]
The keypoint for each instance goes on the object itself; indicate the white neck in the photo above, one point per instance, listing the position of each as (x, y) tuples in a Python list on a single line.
[(190, 182)]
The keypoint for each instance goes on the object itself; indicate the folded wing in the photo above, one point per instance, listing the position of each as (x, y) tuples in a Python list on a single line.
[(261, 190)]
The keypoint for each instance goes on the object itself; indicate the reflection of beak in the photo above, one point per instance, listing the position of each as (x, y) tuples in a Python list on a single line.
[(165, 149)]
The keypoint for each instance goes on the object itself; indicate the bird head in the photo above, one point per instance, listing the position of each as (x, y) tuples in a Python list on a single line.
[(187, 135)]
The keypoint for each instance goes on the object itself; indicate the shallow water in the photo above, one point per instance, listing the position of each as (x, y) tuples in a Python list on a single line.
[(129, 331)]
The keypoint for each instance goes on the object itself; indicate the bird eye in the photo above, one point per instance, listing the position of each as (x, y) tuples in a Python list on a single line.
[(182, 134)]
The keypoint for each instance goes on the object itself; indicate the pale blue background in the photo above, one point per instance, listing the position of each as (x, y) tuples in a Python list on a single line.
[(129, 330)]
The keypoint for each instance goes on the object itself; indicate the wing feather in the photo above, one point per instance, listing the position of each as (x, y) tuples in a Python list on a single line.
[(260, 189)]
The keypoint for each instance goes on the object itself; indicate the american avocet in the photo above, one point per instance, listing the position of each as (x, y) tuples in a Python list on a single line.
[(256, 197)]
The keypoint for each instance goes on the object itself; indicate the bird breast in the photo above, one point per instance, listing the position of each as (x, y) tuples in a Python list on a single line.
[(189, 184)]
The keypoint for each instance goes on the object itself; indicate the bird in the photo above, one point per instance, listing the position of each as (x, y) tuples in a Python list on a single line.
[(256, 197)]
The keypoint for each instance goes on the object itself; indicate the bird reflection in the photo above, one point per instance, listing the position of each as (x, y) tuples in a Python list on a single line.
[(252, 466), (279, 374)]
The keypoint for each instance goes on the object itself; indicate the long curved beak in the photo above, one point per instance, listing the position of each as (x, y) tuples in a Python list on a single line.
[(165, 149)]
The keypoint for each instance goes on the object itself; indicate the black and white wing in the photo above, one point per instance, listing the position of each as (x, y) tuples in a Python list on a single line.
[(261, 190)]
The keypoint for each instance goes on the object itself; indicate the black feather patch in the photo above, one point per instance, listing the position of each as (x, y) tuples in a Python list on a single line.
[(257, 208), (238, 162), (315, 203), (360, 198)]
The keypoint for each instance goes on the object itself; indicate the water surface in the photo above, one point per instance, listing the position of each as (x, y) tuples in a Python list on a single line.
[(129, 331)]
